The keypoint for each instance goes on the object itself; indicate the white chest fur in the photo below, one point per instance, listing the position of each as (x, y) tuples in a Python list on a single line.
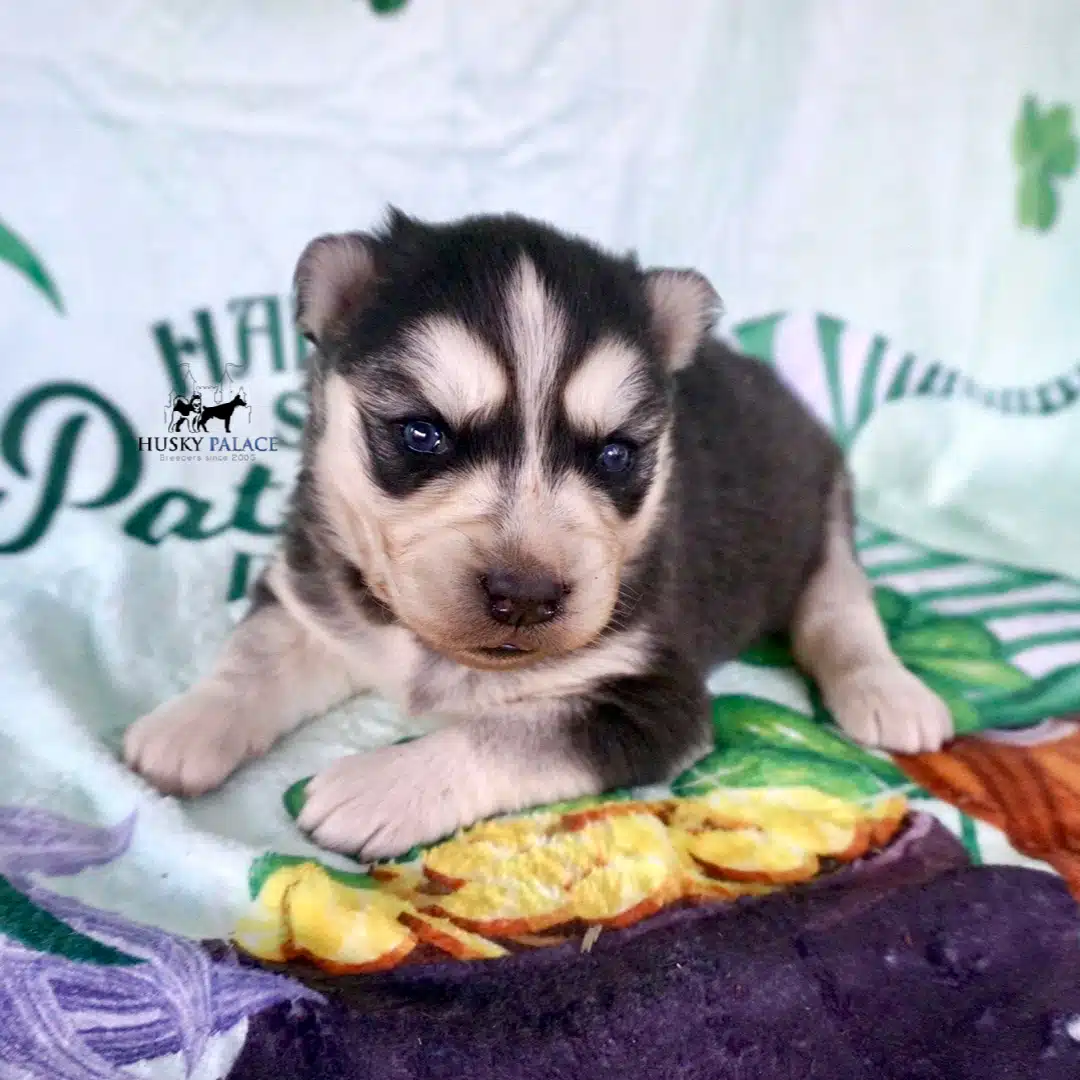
[(392, 662)]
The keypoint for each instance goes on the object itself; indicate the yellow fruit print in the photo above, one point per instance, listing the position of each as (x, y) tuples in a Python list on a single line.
[(541, 879)]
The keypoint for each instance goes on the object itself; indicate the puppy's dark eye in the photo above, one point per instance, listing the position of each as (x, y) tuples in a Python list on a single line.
[(616, 457), (422, 437)]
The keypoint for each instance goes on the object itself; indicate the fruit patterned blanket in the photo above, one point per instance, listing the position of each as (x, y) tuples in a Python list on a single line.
[(542, 879), (783, 799), (792, 904)]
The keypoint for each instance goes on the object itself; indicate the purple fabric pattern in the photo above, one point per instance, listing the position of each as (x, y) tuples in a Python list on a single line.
[(913, 968), (62, 1019), (908, 965)]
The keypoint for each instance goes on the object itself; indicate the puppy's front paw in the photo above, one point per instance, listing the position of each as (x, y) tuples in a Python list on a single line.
[(190, 745), (382, 803), (885, 705)]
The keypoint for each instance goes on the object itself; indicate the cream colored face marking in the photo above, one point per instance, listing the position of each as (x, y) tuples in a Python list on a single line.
[(424, 554), (457, 372), (538, 336), (603, 392), (352, 502), (637, 530)]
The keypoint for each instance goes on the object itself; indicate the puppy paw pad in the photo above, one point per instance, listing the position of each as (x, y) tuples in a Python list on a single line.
[(187, 746), (381, 803), (888, 707)]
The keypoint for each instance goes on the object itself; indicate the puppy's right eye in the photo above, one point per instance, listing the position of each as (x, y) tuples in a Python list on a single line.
[(423, 437), (616, 457)]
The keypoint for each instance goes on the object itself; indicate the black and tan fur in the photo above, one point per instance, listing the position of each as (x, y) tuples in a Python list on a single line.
[(527, 353)]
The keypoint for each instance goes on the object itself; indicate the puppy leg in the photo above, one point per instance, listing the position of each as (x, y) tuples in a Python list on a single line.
[(839, 640), (383, 802), (644, 729), (272, 675)]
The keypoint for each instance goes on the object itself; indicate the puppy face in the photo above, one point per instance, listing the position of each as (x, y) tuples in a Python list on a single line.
[(492, 444)]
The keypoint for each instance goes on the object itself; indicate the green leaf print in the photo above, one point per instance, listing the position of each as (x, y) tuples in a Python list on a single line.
[(754, 723), (293, 799), (17, 253), (267, 865), (756, 337), (894, 609), (23, 921), (772, 652), (947, 636), (957, 657), (1036, 206), (966, 717), (973, 673), (1061, 161), (1045, 140), (1054, 695), (742, 767), (1045, 150), (1027, 135), (1059, 143)]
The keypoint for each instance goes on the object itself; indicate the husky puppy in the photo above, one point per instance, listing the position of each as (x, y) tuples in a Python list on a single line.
[(539, 501)]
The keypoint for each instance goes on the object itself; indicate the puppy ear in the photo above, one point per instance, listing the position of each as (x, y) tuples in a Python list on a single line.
[(334, 277), (684, 307)]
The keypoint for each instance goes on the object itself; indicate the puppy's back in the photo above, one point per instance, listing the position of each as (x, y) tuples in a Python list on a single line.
[(754, 470)]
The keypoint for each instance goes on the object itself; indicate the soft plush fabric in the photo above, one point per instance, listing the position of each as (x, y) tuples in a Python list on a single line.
[(97, 633), (884, 196), (209, 869), (971, 976)]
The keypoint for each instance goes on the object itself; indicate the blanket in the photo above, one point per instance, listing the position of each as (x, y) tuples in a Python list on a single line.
[(200, 935), (885, 197)]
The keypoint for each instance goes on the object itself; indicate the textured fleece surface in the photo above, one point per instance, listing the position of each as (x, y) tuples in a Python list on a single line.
[(925, 973)]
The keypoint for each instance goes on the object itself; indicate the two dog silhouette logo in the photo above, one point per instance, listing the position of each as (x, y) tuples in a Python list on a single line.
[(201, 405)]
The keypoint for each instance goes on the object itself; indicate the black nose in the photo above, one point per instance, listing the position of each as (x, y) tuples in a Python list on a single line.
[(522, 597)]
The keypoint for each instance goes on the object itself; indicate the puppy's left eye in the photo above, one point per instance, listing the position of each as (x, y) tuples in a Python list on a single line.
[(616, 457), (423, 437)]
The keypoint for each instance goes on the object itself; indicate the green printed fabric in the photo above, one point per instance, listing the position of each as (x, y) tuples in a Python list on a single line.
[(885, 196)]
